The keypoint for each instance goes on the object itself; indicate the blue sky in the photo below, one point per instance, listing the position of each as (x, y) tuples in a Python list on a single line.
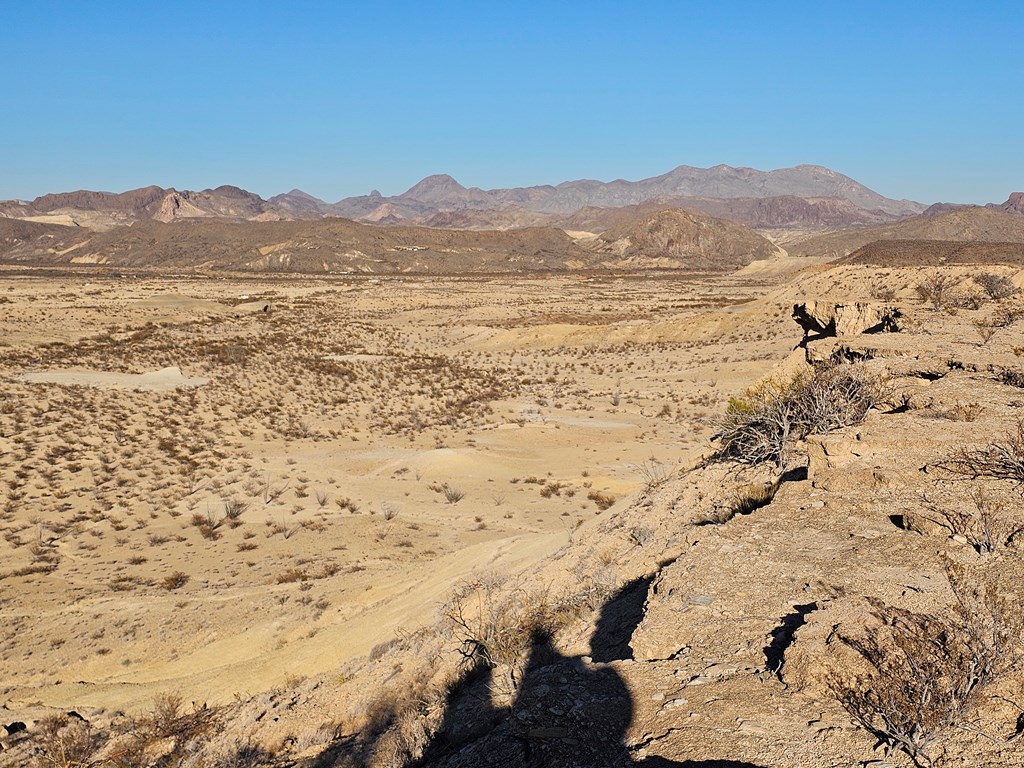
[(914, 99)]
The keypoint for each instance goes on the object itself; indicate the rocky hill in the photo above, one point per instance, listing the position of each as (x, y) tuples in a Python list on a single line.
[(675, 237), (103, 210)]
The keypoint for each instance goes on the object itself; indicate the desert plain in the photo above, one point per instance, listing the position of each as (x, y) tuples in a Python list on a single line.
[(298, 502), (215, 485)]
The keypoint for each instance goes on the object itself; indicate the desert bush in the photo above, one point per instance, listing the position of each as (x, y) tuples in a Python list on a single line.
[(926, 673), (996, 286), (234, 508), (986, 329), (936, 289), (964, 411), (999, 460), (763, 425), (67, 743), (982, 520), (748, 499), (451, 494), (1012, 377), (495, 622), (176, 580), (652, 471), (602, 500)]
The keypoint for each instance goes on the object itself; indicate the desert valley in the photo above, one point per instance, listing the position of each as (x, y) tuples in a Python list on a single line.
[(717, 468)]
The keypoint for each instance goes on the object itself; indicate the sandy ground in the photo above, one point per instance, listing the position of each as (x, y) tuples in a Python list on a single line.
[(281, 538), (203, 497)]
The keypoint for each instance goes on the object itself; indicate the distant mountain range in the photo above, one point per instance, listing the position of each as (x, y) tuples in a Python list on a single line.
[(804, 197), (700, 219)]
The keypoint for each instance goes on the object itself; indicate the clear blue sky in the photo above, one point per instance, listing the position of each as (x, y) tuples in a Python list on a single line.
[(922, 100)]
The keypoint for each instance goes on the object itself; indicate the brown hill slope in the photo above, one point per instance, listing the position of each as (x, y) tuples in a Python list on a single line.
[(329, 245), (670, 240), (697, 241), (919, 253), (36, 240), (960, 225)]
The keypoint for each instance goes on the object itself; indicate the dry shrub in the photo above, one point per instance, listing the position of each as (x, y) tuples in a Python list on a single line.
[(984, 521), (67, 743), (168, 737), (964, 412), (495, 622), (602, 500), (936, 289), (996, 286), (452, 494), (999, 460), (763, 425), (924, 675), (176, 580), (747, 500), (1012, 377)]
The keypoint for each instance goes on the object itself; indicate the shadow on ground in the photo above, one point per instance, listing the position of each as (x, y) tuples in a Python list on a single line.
[(567, 713)]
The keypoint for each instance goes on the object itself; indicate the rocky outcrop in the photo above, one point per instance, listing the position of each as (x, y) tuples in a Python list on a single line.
[(821, 320)]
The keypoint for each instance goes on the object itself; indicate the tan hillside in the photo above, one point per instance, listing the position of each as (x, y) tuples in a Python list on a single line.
[(911, 253), (341, 246)]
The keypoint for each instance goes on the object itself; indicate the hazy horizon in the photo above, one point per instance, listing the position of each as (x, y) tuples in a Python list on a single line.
[(338, 100)]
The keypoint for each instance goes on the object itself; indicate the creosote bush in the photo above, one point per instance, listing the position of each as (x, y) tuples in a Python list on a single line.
[(936, 289), (996, 286), (763, 424)]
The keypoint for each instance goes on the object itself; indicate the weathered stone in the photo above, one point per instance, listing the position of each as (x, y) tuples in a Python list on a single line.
[(819, 320)]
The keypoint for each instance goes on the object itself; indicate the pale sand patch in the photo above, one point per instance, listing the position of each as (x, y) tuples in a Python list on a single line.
[(163, 380), (241, 663), (184, 303)]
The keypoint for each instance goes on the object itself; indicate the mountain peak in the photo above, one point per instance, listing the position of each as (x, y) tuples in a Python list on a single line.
[(432, 185)]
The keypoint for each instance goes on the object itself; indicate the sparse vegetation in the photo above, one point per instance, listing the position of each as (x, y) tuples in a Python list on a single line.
[(936, 289), (996, 286), (925, 674), (764, 424), (175, 580), (999, 460)]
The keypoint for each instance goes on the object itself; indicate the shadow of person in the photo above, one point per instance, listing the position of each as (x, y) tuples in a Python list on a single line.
[(570, 713), (469, 716), (567, 711)]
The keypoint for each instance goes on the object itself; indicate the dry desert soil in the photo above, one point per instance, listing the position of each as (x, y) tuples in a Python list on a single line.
[(463, 521)]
